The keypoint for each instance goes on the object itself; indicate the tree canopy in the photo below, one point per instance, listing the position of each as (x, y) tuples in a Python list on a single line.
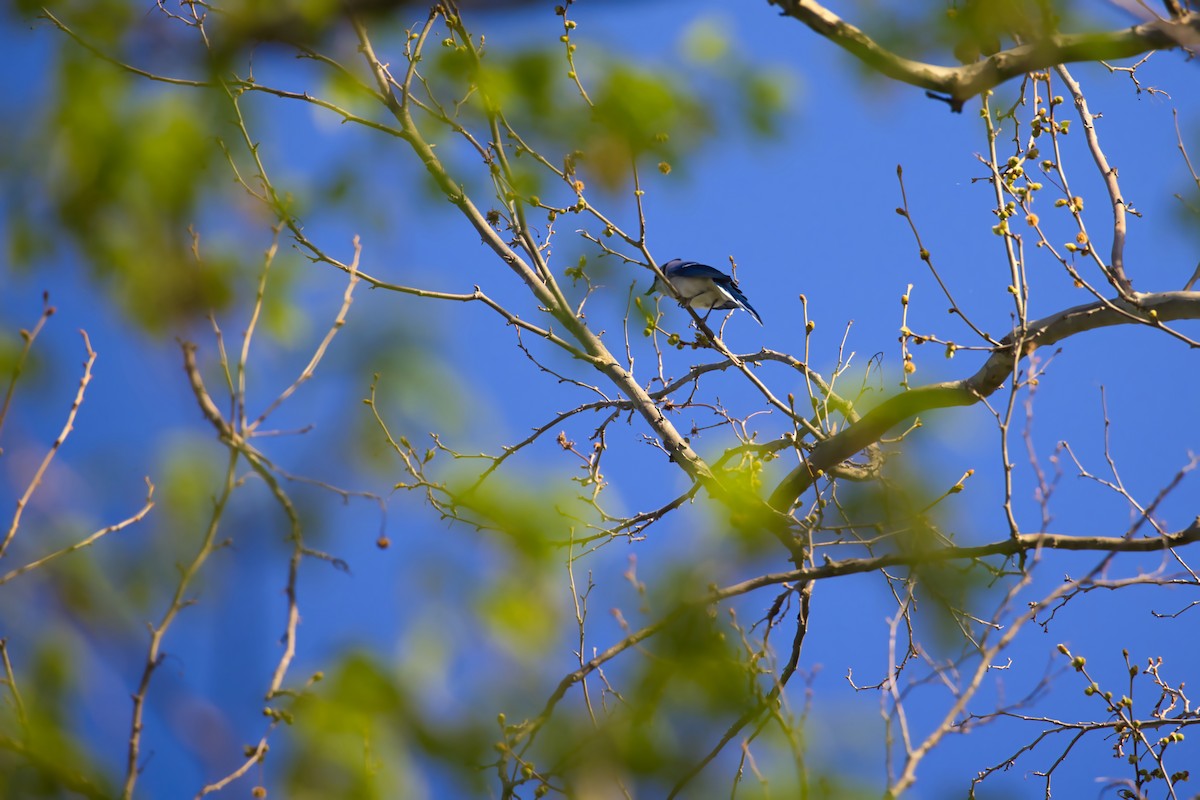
[(352, 453)]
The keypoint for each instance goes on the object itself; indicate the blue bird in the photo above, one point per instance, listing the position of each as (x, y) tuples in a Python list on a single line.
[(703, 287)]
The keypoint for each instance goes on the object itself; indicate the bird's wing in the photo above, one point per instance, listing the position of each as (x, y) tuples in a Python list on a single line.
[(694, 269)]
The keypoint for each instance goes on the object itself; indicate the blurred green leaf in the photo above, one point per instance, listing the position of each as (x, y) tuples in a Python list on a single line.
[(358, 730), (522, 613), (706, 41), (127, 167), (44, 759), (640, 110), (767, 97)]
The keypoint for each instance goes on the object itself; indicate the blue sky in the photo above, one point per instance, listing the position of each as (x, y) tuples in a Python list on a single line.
[(810, 211)]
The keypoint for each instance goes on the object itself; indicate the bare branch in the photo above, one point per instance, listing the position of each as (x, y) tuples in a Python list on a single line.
[(158, 632), (85, 44), (68, 426), (1013, 545), (1115, 270), (87, 541), (28, 337)]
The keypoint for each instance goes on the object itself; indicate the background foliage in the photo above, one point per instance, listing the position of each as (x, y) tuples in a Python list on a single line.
[(267, 517)]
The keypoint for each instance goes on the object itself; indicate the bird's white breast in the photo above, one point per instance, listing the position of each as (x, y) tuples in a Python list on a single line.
[(701, 293)]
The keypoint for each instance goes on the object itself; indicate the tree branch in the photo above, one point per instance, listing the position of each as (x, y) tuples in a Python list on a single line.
[(396, 94), (1024, 542), (854, 566), (1152, 309), (961, 83)]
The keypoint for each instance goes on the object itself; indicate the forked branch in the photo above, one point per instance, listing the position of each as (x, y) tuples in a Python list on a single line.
[(1150, 309), (961, 83)]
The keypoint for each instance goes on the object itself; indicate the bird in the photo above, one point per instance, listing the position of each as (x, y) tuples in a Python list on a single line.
[(703, 287)]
